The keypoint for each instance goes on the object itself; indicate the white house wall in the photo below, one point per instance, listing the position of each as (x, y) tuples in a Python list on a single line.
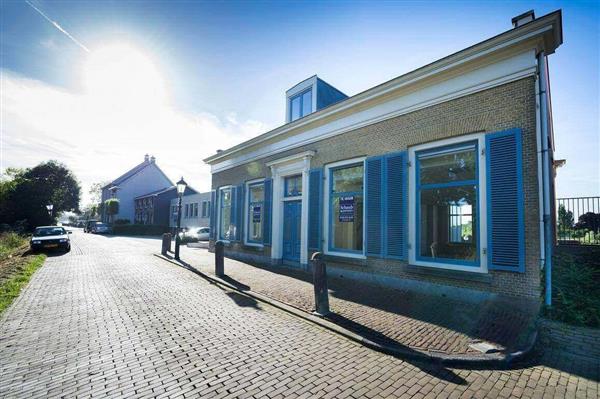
[(198, 221), (147, 180)]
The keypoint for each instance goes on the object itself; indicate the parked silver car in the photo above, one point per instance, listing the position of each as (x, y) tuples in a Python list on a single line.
[(195, 234), (50, 237)]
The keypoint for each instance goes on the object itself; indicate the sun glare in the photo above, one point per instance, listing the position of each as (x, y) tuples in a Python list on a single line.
[(123, 75)]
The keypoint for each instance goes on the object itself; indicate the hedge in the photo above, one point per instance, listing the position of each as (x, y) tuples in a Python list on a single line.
[(139, 229)]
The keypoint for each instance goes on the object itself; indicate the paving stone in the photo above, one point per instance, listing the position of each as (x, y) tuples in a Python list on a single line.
[(110, 319)]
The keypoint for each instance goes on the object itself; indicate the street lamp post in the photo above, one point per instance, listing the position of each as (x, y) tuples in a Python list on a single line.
[(181, 185), (50, 207)]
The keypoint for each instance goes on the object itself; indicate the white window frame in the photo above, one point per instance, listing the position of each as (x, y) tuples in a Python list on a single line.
[(326, 197), (481, 211), (246, 208), (218, 226)]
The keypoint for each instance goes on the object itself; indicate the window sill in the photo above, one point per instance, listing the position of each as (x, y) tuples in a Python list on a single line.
[(450, 274)]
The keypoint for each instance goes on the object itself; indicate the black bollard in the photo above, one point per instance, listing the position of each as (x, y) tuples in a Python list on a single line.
[(320, 284), (219, 261), (166, 243)]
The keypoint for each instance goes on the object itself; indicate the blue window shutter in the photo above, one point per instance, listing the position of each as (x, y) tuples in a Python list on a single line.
[(315, 208), (268, 210), (505, 219), (213, 215), (396, 200), (239, 230), (374, 205)]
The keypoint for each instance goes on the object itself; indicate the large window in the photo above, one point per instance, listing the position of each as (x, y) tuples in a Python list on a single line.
[(226, 229), (255, 216), (447, 187), (300, 105), (346, 208)]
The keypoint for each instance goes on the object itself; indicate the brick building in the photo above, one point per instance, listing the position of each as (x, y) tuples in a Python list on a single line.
[(155, 207), (440, 178)]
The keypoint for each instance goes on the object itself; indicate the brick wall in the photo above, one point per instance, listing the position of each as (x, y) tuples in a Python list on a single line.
[(507, 106), (581, 341)]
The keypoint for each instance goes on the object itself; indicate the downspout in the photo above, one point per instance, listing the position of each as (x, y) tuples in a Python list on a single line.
[(540, 177), (544, 134)]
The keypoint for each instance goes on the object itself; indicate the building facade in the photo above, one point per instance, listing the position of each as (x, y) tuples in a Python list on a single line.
[(144, 178), (155, 207), (440, 179), (195, 211)]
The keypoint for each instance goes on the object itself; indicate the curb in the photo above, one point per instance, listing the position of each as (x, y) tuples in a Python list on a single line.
[(471, 361)]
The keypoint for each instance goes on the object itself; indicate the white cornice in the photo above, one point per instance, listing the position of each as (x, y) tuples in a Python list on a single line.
[(548, 28)]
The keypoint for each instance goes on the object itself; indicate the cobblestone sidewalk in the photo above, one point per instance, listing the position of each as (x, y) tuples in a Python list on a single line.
[(111, 320), (391, 317)]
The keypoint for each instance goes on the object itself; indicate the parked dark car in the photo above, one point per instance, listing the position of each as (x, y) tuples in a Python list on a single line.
[(50, 238), (100, 228), (89, 224)]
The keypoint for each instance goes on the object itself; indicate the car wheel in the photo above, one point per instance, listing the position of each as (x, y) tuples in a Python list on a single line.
[(68, 249)]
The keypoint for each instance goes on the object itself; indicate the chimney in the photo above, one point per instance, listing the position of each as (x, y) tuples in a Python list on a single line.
[(146, 158), (522, 19), (152, 159)]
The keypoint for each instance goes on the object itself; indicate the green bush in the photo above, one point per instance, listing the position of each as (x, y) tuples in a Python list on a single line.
[(575, 289), (139, 229), (122, 221)]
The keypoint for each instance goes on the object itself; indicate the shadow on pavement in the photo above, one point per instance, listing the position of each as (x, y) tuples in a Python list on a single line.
[(235, 283), (242, 300), (239, 299), (434, 369), (504, 322)]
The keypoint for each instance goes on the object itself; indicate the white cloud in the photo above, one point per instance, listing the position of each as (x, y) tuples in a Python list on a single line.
[(100, 139)]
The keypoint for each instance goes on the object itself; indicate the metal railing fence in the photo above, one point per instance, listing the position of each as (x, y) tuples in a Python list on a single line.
[(578, 221)]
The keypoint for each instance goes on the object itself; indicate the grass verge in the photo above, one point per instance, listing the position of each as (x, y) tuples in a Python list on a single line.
[(17, 265), (11, 287)]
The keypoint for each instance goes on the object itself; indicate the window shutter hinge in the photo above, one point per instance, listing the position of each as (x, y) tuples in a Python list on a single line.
[(409, 246), (409, 164), (483, 151), (484, 251)]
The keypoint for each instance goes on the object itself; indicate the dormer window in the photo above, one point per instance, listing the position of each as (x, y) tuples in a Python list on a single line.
[(309, 96), (301, 105)]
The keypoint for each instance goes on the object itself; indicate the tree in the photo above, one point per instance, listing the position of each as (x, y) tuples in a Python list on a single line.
[(565, 218), (95, 191), (26, 192), (112, 207), (589, 221)]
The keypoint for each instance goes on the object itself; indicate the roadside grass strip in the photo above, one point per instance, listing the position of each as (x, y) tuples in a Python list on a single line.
[(11, 287)]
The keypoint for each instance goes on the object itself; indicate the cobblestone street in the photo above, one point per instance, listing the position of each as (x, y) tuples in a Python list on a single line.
[(110, 319)]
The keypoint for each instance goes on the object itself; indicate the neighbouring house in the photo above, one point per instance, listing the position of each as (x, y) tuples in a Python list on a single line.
[(143, 178), (440, 178), (195, 211), (155, 207)]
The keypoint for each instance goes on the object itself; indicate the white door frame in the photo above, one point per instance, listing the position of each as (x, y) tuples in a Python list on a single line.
[(280, 169)]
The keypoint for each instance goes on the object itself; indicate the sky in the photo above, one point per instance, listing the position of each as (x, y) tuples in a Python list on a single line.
[(98, 84)]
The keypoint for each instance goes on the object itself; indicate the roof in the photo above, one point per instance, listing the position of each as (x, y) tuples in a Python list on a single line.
[(133, 171), (165, 190), (552, 39)]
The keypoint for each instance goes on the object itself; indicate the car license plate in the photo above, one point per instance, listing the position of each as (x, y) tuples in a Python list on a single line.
[(50, 245)]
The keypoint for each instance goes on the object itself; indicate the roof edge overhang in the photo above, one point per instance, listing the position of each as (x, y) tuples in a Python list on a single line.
[(547, 27)]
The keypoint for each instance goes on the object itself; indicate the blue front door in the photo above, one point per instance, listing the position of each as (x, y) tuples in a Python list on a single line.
[(291, 230)]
